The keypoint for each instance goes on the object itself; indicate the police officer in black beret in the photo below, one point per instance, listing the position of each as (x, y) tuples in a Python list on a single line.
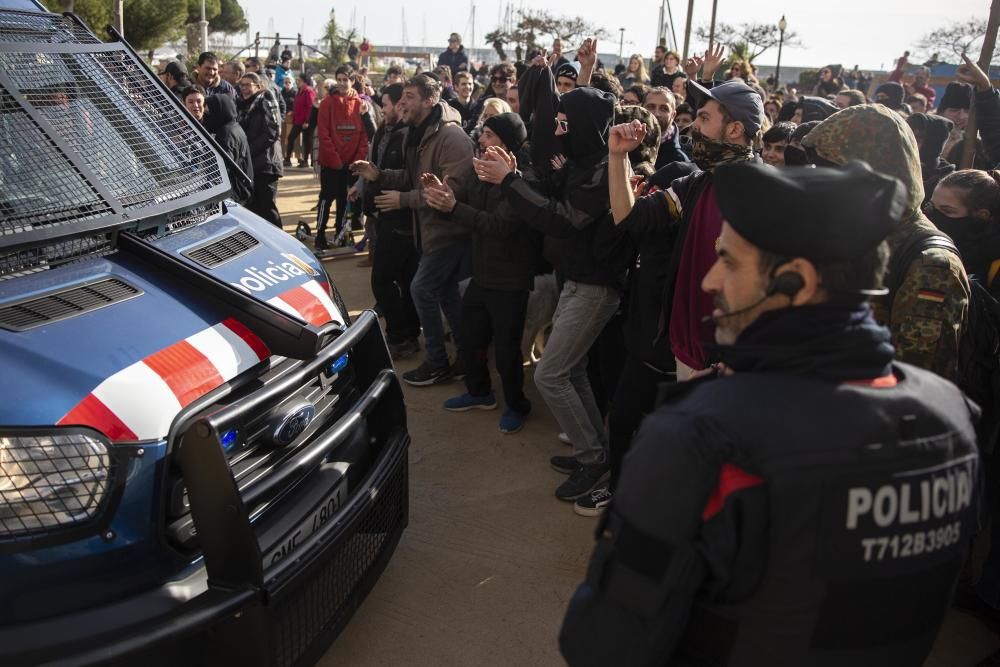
[(810, 502)]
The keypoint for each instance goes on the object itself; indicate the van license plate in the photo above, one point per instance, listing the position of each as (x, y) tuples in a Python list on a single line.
[(323, 513)]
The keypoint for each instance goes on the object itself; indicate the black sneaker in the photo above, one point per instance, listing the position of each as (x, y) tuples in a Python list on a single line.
[(425, 375), (564, 464), (582, 481), (321, 243), (593, 503)]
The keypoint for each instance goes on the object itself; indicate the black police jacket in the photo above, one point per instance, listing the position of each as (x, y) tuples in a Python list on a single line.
[(793, 513)]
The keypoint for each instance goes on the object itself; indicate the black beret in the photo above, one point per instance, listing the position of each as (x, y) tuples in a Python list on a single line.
[(821, 214)]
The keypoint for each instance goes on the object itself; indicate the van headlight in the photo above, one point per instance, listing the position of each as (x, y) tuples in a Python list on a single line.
[(51, 480)]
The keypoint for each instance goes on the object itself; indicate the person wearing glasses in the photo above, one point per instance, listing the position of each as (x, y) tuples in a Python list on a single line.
[(503, 77), (454, 56)]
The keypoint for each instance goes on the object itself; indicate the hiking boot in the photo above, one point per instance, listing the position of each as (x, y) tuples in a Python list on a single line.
[(593, 503), (564, 464), (425, 375), (465, 402), (582, 481), (511, 421), (405, 350)]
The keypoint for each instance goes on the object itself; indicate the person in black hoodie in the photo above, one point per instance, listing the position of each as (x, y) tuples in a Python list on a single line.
[(568, 209), (260, 119), (220, 120), (931, 132), (505, 253)]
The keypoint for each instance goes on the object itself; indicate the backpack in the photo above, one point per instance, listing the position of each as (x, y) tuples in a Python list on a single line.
[(979, 346)]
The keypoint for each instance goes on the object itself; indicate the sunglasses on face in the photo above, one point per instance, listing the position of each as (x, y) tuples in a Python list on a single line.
[(500, 79)]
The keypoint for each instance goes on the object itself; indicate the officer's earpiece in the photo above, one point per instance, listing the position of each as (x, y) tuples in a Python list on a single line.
[(787, 284)]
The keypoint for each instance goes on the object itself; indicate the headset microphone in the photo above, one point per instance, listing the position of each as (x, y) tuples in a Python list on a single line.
[(787, 284)]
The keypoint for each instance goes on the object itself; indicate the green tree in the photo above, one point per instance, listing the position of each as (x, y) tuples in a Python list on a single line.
[(750, 40), (150, 23), (336, 42), (230, 18), (97, 14), (212, 9)]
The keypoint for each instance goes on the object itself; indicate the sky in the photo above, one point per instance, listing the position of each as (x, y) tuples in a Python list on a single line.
[(869, 33)]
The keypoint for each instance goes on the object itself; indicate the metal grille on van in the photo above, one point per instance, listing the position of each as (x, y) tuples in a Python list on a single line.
[(42, 27), (223, 250), (66, 303)]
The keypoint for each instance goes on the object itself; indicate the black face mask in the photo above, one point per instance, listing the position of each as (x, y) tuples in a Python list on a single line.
[(795, 156), (965, 232)]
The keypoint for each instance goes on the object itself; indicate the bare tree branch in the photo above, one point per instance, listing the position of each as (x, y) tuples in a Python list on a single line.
[(947, 44), (750, 40)]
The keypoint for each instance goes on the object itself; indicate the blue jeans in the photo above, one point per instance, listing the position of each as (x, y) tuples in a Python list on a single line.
[(435, 289), (561, 375)]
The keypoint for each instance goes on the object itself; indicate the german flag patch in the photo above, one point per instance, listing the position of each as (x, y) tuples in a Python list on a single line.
[(930, 295)]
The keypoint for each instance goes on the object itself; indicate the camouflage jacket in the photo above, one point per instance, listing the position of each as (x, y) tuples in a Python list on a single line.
[(928, 310)]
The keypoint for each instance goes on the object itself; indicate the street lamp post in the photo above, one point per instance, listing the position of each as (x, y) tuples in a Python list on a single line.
[(621, 44), (782, 24), (204, 28)]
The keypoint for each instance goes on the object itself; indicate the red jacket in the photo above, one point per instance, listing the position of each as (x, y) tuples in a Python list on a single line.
[(303, 105), (342, 136)]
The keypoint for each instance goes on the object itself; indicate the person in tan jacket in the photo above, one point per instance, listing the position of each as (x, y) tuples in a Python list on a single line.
[(436, 144)]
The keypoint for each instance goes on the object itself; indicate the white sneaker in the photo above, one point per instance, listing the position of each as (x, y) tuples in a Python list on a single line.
[(564, 439)]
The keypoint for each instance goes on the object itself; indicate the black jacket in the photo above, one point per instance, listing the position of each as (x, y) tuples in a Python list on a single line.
[(457, 61), (649, 221), (505, 251), (826, 525), (574, 200), (260, 121), (220, 120), (468, 119), (988, 119), (387, 152)]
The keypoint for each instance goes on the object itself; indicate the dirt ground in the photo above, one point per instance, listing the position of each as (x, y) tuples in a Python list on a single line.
[(490, 559)]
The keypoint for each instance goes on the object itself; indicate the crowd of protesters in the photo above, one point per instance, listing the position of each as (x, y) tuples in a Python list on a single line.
[(480, 186)]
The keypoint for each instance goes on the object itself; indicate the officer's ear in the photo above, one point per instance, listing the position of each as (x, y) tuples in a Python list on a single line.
[(799, 281)]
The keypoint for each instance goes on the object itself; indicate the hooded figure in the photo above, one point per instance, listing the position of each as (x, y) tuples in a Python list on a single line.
[(927, 310), (569, 208), (589, 113), (931, 133), (816, 108), (890, 94), (220, 121)]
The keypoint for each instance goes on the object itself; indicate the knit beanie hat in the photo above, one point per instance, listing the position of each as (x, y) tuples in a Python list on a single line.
[(510, 128), (957, 95)]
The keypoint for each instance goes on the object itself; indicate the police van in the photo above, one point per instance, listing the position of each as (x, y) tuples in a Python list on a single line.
[(203, 459)]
